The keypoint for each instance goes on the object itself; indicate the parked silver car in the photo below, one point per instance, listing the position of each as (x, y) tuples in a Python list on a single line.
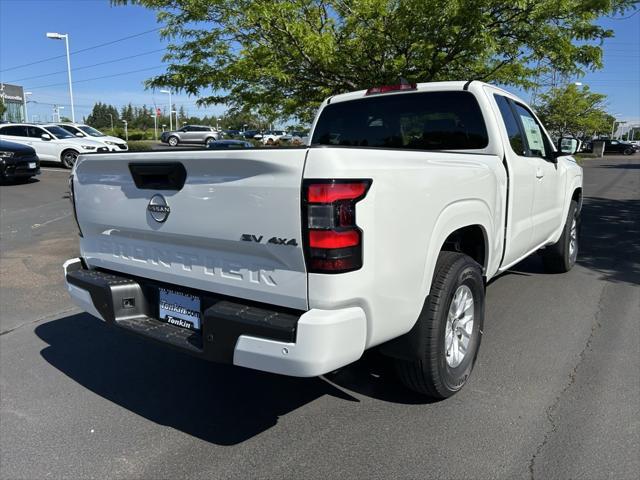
[(190, 134)]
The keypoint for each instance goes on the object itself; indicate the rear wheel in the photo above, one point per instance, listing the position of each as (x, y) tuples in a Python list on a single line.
[(173, 141), (453, 317), (628, 151), (69, 158), (561, 256)]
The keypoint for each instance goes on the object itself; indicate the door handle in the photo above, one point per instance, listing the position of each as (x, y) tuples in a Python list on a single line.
[(539, 174)]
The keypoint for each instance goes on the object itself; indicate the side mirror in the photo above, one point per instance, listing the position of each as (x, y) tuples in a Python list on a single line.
[(80, 134), (45, 136), (567, 146)]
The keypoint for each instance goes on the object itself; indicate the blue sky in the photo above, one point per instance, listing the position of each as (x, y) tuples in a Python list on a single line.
[(24, 23)]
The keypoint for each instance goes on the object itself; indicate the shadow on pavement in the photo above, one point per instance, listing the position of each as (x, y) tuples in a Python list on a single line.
[(19, 181), (627, 166), (609, 242), (221, 404), (610, 238)]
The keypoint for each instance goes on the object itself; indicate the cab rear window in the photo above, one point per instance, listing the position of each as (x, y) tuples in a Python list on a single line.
[(416, 121)]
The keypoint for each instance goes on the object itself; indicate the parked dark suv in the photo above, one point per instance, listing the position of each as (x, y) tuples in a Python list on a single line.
[(17, 161), (618, 146)]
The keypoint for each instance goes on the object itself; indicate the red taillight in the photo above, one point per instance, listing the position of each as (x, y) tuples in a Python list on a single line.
[(392, 88), (330, 192), (333, 241)]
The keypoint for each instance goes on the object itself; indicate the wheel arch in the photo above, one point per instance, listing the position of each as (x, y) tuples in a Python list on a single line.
[(577, 196), (461, 227)]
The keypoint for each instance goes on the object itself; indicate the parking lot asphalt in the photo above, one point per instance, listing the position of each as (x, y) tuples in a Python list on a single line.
[(555, 392)]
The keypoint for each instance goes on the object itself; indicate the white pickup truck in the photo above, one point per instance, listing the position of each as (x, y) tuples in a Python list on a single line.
[(382, 232)]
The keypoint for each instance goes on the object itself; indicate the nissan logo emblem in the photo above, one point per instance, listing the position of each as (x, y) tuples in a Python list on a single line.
[(158, 208)]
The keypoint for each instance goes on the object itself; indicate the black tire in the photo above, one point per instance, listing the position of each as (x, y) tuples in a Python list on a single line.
[(173, 141), (628, 151), (68, 158), (209, 140), (561, 256), (433, 375)]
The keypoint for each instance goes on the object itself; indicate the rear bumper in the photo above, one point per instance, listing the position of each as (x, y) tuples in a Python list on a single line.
[(267, 338)]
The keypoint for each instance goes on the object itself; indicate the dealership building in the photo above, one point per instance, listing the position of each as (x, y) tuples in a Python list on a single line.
[(13, 98)]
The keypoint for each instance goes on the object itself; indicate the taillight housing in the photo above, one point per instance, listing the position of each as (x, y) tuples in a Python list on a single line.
[(332, 239), (72, 197)]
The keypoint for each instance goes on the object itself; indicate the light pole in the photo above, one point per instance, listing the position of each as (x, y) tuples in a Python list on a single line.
[(613, 126), (111, 117), (26, 115), (619, 122), (56, 112), (170, 108), (155, 126), (126, 132), (60, 36)]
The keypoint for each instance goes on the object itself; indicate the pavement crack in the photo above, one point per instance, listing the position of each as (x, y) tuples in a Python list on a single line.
[(39, 319), (551, 410)]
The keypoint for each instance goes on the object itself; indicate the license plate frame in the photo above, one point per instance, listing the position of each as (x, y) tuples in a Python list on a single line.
[(180, 308)]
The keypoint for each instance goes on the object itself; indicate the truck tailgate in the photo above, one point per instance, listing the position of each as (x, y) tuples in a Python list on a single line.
[(233, 228)]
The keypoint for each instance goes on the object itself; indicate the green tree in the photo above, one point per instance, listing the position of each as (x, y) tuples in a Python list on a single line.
[(282, 57), (2, 107), (236, 118), (574, 111), (99, 116)]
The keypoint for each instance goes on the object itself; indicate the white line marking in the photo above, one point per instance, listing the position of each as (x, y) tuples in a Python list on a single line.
[(57, 170), (38, 225)]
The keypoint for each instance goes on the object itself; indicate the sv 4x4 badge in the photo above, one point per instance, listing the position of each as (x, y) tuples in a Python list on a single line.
[(247, 237)]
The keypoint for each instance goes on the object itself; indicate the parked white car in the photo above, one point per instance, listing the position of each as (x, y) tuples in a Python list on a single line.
[(114, 144), (383, 233), (51, 143), (274, 136)]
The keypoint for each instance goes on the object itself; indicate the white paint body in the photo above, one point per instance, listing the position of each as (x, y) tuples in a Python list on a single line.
[(50, 150), (114, 144), (416, 200)]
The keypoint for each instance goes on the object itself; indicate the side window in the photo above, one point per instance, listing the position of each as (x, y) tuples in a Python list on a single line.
[(35, 132), (535, 137), (14, 131), (511, 124)]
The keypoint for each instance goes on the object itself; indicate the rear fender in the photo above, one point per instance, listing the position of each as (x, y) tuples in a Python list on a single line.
[(412, 345), (455, 216)]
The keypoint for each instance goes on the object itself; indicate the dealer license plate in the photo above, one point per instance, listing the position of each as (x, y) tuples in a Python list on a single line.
[(32, 165), (180, 309)]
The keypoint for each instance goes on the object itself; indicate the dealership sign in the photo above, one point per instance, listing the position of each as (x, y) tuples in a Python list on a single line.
[(12, 93)]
